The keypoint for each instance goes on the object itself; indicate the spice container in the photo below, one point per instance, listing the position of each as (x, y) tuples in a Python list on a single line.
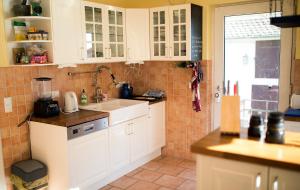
[(256, 126), (20, 30)]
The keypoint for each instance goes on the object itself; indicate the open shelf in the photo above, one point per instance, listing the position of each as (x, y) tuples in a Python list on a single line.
[(30, 41), (28, 18)]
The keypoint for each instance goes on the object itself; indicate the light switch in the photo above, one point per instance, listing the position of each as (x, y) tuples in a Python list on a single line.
[(8, 104)]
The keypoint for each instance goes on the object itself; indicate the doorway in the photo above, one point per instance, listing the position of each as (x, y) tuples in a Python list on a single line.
[(257, 55)]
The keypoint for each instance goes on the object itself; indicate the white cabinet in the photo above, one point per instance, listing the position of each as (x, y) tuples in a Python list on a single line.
[(137, 35), (227, 174), (222, 174), (280, 179), (67, 32), (139, 141), (104, 33), (176, 32), (128, 142), (119, 142), (156, 122), (89, 169)]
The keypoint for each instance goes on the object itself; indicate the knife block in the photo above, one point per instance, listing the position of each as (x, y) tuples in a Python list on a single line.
[(230, 115)]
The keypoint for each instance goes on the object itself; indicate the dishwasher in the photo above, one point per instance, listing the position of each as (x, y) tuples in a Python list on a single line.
[(88, 153)]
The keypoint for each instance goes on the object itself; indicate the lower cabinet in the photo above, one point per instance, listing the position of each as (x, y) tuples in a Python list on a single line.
[(86, 170), (280, 179), (128, 142), (223, 174), (156, 122)]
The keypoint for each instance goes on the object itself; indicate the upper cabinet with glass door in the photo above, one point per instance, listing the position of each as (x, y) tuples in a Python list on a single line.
[(183, 32), (103, 33)]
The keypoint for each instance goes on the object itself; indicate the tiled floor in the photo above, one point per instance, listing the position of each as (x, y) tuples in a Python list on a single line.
[(160, 174)]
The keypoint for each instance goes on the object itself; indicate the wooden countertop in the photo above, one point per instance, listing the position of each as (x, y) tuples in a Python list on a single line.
[(68, 120), (249, 150), (296, 119)]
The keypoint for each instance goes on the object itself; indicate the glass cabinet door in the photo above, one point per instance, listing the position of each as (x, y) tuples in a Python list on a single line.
[(179, 32), (93, 23), (160, 33), (116, 39)]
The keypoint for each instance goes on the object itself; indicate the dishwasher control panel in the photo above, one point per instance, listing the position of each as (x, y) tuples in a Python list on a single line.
[(87, 128)]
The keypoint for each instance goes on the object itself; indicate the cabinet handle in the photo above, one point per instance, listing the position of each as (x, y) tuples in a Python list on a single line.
[(258, 181), (275, 183)]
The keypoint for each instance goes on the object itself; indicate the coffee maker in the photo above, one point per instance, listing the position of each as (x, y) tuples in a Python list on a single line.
[(44, 105)]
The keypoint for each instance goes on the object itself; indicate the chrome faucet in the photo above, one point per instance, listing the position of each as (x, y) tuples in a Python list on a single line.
[(98, 95)]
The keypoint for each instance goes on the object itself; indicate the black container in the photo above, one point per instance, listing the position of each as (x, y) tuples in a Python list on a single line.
[(126, 91), (256, 126), (275, 131), (22, 10)]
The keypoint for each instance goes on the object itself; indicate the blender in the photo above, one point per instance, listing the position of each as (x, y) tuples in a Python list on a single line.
[(44, 105)]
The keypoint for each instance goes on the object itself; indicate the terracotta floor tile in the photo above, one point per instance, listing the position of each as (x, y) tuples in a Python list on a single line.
[(171, 161), (187, 185), (132, 173), (107, 187), (143, 185), (164, 188), (188, 174), (123, 182), (188, 164), (169, 181), (147, 175), (170, 169), (115, 188), (153, 165)]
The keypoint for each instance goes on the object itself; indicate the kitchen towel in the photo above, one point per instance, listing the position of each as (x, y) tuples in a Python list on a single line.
[(197, 77)]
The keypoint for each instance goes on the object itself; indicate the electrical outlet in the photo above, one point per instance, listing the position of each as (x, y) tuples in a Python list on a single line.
[(55, 94), (8, 104)]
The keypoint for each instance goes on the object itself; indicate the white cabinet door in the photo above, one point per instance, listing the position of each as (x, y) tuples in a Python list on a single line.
[(119, 141), (67, 32), (280, 179), (156, 122), (137, 35), (159, 33), (116, 38), (222, 174), (139, 138), (86, 170), (94, 28), (180, 32)]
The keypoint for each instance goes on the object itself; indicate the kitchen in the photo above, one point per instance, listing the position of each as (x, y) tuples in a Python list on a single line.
[(183, 126)]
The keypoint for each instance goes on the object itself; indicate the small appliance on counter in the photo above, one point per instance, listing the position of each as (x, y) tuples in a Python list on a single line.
[(126, 91), (151, 96), (44, 106), (275, 131), (71, 103)]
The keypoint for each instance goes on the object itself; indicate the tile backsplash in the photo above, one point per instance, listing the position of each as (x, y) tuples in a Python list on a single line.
[(183, 125)]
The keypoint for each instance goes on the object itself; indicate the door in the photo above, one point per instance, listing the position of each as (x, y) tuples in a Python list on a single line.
[(116, 34), (119, 142), (139, 138), (156, 122), (180, 23), (88, 156), (280, 179), (94, 32), (68, 47), (250, 50), (137, 35), (223, 174), (159, 33)]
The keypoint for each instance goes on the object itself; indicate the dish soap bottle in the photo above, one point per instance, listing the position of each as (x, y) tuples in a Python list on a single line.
[(83, 98)]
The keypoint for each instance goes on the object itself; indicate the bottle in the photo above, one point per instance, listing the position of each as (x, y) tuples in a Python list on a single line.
[(83, 98)]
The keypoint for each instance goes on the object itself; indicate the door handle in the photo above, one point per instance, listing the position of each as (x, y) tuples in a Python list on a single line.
[(258, 181), (275, 184)]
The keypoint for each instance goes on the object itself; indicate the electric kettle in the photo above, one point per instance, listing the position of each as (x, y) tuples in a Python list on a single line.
[(71, 103)]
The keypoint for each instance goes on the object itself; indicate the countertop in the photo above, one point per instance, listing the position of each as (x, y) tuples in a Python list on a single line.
[(68, 120), (250, 150)]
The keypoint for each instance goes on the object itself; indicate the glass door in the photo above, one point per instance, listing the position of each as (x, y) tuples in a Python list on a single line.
[(159, 33), (180, 22), (116, 38), (250, 51), (93, 25)]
